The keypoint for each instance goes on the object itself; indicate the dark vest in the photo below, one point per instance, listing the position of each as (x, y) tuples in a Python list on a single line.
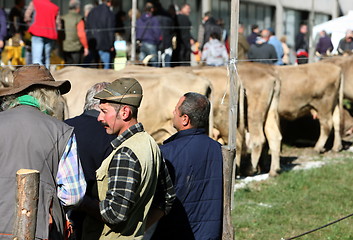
[(195, 165), (31, 140), (72, 42)]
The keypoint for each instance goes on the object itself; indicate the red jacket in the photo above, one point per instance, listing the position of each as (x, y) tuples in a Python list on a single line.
[(44, 24)]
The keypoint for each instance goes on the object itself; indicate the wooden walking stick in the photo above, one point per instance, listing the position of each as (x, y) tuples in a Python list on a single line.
[(26, 204)]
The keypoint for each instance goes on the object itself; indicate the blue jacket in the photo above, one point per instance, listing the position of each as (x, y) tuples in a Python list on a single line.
[(277, 44), (148, 29), (195, 165)]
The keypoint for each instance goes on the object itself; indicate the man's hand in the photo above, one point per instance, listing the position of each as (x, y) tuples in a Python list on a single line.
[(85, 52)]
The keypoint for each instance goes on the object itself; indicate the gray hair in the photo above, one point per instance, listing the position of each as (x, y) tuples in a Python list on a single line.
[(88, 7), (74, 4), (197, 107), (90, 102)]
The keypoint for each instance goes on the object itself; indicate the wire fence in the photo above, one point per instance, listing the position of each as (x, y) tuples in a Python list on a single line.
[(316, 229), (172, 63)]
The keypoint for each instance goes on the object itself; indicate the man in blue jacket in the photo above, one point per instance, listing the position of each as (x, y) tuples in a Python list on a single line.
[(195, 165), (100, 26)]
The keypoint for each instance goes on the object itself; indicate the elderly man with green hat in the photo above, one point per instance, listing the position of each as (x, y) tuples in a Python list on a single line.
[(134, 186), (32, 138)]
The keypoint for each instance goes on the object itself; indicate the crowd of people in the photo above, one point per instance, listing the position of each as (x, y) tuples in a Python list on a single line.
[(163, 36)]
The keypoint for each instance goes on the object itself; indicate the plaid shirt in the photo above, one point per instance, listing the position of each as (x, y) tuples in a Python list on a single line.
[(124, 179), (70, 178)]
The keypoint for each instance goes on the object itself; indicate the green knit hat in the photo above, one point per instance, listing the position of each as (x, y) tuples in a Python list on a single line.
[(122, 91)]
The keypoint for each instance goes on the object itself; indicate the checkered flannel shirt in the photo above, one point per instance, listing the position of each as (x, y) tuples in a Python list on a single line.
[(70, 178), (124, 179)]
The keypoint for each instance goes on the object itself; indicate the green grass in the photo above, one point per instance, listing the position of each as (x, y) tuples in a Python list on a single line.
[(296, 202)]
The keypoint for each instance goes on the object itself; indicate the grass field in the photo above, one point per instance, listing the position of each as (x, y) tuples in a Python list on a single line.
[(298, 201)]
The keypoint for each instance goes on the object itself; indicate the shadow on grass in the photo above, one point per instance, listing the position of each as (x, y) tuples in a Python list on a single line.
[(287, 164)]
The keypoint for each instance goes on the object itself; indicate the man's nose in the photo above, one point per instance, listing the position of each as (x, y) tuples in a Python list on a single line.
[(100, 117)]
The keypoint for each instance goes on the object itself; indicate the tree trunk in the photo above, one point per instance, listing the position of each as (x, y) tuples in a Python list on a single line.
[(26, 204)]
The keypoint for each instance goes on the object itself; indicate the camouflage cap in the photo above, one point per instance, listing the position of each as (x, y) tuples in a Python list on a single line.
[(122, 91)]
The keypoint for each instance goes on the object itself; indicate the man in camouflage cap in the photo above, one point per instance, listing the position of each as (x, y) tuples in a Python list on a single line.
[(127, 179)]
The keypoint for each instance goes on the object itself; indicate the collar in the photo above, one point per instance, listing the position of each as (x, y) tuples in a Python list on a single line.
[(127, 134), (92, 113), (184, 133)]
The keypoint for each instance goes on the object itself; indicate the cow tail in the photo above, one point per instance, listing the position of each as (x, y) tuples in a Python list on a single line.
[(340, 102)]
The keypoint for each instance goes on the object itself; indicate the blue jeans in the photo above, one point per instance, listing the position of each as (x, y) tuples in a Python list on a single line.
[(149, 49), (41, 49), (105, 58)]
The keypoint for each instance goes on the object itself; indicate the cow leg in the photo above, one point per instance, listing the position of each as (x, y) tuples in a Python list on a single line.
[(337, 142), (240, 141), (274, 138), (257, 140), (325, 129)]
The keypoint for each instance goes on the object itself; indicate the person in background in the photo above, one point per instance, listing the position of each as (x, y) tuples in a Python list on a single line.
[(261, 51), (276, 44), (224, 35), (324, 47), (3, 29), (208, 26), (255, 32), (214, 52), (301, 40), (167, 27), (101, 17), (75, 44), (195, 164), (345, 46), (46, 21), (93, 147), (184, 40), (86, 9), (134, 185), (149, 33), (33, 139), (302, 45), (286, 51), (16, 20), (243, 45)]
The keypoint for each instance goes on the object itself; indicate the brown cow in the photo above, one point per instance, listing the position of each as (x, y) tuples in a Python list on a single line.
[(345, 63), (313, 89), (162, 89), (262, 94)]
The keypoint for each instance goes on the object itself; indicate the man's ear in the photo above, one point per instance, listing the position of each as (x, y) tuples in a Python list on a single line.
[(125, 113), (185, 120)]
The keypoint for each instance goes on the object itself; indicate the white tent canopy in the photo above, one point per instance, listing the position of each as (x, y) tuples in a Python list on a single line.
[(336, 27)]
